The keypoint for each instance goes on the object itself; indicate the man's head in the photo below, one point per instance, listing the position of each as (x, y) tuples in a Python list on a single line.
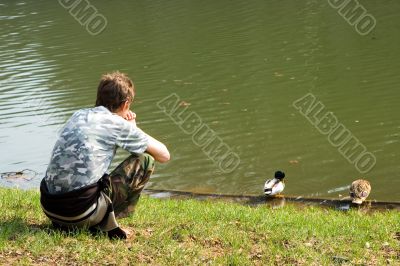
[(115, 92)]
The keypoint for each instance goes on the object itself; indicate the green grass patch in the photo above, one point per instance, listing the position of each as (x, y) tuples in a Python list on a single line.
[(182, 232)]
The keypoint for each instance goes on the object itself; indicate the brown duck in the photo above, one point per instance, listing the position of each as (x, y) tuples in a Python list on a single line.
[(359, 191)]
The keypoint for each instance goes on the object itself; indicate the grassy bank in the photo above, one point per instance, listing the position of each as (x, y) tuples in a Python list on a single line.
[(171, 232)]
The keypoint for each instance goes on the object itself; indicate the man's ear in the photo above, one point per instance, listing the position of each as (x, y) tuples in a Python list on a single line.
[(125, 105)]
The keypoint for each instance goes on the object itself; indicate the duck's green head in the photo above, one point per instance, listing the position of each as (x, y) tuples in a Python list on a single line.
[(279, 175)]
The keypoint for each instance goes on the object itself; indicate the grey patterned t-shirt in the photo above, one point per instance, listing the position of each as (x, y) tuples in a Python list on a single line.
[(86, 147)]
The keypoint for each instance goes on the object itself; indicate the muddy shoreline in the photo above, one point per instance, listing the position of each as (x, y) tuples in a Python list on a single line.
[(275, 202)]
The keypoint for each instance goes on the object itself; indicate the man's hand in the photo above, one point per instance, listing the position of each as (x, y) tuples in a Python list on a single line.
[(131, 117)]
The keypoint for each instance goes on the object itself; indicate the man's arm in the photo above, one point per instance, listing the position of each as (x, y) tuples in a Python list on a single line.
[(155, 148), (158, 150)]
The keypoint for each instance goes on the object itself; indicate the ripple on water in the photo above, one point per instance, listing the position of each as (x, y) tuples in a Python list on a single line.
[(238, 65)]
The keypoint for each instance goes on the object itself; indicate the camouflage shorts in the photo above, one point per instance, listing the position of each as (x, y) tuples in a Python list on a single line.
[(127, 182)]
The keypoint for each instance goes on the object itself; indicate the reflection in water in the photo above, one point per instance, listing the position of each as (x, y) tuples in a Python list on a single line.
[(238, 65)]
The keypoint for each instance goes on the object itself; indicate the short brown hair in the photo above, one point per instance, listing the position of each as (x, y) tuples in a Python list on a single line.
[(114, 89)]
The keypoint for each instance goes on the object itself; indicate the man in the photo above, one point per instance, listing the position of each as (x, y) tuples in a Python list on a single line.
[(76, 190)]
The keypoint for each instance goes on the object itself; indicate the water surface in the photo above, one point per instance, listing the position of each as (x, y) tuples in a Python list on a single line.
[(238, 65)]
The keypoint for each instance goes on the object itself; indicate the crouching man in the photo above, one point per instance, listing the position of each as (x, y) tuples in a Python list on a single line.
[(76, 190)]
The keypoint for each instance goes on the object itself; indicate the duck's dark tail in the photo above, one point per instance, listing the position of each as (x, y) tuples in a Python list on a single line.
[(267, 191)]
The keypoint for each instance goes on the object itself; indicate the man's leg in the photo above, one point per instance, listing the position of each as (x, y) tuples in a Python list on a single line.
[(128, 181)]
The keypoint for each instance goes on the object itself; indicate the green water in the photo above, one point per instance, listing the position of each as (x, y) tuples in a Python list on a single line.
[(238, 65)]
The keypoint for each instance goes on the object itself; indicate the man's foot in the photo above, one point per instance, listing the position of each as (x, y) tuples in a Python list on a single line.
[(116, 233)]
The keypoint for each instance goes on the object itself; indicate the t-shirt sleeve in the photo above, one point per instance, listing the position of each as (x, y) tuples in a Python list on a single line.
[(132, 138)]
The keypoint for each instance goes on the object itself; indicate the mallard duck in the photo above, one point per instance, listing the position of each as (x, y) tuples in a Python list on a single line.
[(359, 191), (275, 185)]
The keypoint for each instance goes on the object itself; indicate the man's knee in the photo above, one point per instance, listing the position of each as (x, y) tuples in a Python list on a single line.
[(147, 161)]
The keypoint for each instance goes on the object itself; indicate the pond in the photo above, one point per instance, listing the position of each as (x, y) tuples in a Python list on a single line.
[(252, 74)]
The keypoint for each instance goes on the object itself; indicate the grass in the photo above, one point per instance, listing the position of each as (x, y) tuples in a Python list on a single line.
[(191, 232)]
